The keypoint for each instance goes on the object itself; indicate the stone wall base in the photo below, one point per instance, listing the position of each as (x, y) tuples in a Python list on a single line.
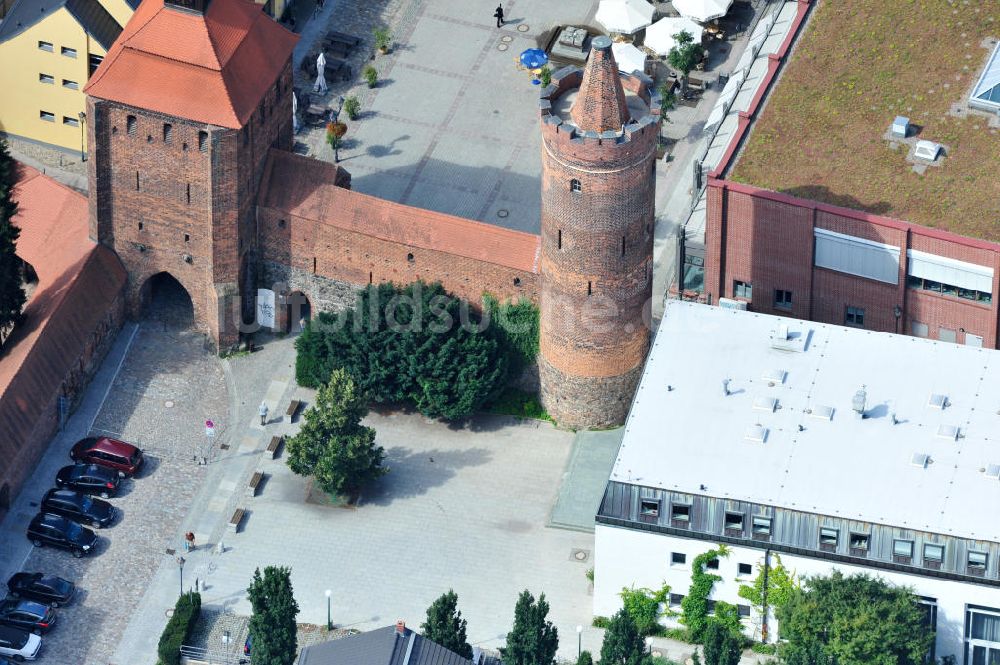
[(584, 402)]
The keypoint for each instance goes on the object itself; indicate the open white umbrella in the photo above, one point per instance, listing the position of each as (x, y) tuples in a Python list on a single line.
[(624, 16), (702, 10), (660, 35), (629, 58)]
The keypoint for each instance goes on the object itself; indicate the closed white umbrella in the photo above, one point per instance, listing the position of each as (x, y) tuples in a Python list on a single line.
[(702, 10), (320, 74), (295, 113), (660, 35), (629, 58), (624, 16)]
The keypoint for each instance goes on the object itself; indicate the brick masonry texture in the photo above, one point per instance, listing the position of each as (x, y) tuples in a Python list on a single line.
[(598, 197), (766, 239)]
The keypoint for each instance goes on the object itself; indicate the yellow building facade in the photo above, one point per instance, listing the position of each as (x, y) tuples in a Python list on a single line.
[(48, 50)]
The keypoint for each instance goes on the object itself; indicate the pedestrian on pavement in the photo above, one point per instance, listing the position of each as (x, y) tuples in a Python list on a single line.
[(189, 541), (499, 15), (263, 413)]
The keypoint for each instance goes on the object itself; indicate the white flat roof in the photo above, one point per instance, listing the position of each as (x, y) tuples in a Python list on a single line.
[(684, 432)]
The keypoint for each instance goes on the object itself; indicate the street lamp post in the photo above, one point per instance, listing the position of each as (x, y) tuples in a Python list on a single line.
[(83, 154), (329, 622), (180, 567), (579, 641)]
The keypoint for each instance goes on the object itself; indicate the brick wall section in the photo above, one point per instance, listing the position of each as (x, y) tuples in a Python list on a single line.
[(597, 249), (196, 207), (766, 239)]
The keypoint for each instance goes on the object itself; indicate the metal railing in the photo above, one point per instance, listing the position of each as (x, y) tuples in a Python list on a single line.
[(231, 656)]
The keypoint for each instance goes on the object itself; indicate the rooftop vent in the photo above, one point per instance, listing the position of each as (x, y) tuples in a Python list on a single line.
[(756, 433), (927, 150), (765, 404), (775, 376), (993, 471), (920, 459), (937, 401), (784, 339), (859, 401), (900, 127), (822, 412), (948, 432)]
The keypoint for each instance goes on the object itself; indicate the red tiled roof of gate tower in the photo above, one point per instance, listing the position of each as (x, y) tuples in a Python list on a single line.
[(600, 105), (213, 67)]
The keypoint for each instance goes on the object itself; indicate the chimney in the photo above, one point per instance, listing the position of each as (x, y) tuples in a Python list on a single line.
[(400, 626)]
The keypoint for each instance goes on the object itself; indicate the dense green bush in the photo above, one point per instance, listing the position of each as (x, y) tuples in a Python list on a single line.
[(516, 326), (413, 345), (186, 614)]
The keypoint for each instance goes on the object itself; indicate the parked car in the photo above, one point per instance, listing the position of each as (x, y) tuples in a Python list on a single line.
[(79, 508), (27, 615), (19, 644), (89, 479), (46, 529), (123, 457), (48, 589)]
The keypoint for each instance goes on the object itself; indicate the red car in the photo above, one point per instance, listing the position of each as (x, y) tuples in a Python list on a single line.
[(123, 457)]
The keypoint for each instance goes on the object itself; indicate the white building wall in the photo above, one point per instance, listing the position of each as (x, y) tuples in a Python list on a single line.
[(626, 557)]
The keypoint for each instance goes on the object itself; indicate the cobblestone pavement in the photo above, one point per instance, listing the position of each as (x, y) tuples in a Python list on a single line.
[(165, 366)]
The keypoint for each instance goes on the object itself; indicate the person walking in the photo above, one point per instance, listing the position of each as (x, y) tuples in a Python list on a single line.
[(498, 14), (189, 541), (262, 410)]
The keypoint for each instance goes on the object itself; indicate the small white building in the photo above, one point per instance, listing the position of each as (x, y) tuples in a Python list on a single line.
[(831, 447)]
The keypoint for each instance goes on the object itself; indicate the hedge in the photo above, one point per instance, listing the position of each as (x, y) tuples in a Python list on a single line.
[(186, 614)]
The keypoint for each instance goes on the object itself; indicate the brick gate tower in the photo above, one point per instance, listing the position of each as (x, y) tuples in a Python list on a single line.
[(181, 116), (599, 133)]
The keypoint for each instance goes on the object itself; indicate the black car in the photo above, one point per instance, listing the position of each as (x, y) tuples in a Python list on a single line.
[(46, 529), (79, 508), (27, 615), (89, 479), (48, 589)]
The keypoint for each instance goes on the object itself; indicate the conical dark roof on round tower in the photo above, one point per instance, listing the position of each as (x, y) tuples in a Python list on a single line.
[(600, 105)]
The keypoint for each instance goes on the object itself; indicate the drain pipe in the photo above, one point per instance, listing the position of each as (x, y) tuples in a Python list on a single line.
[(763, 597)]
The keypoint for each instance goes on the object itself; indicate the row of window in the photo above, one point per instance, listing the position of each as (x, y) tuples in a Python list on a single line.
[(132, 128), (680, 558), (675, 600), (48, 116), (50, 48), (853, 316), (680, 516), (48, 79), (948, 289)]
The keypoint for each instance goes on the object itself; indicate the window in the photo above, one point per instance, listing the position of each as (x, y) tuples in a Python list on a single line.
[(168, 132), (744, 569), (46, 116), (982, 627), (45, 46), (409, 257), (68, 52), (854, 316), (93, 62), (950, 277), (72, 85), (712, 564), (742, 290), (188, 193), (977, 563), (918, 329), (623, 245), (744, 611), (71, 122), (574, 185), (649, 508), (933, 555), (734, 522), (710, 606), (680, 513), (856, 256), (859, 543), (947, 335), (203, 141), (590, 288), (828, 539), (676, 599), (48, 79), (130, 125), (187, 237), (559, 239), (761, 527), (902, 551), (678, 558), (137, 181), (782, 299)]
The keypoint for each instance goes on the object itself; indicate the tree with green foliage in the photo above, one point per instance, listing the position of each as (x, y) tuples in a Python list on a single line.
[(694, 607), (781, 584), (585, 658), (623, 643), (12, 296), (272, 625), (643, 605), (515, 323), (333, 446), (721, 646), (685, 53), (532, 640), (856, 620), (187, 611), (415, 344), (668, 100), (445, 625)]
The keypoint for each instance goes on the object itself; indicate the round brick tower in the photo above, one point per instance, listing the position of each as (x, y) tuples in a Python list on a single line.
[(599, 131)]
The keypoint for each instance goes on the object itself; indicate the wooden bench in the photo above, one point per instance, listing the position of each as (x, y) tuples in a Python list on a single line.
[(350, 40), (274, 445), (293, 408), (255, 480), (234, 521)]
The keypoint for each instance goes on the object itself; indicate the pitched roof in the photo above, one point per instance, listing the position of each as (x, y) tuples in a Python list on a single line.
[(213, 67), (78, 282), (384, 646), (90, 14), (305, 188), (600, 105)]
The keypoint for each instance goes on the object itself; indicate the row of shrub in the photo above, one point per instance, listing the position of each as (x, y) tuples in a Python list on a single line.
[(186, 613)]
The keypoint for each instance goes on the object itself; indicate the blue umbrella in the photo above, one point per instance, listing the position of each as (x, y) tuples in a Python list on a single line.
[(533, 58)]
